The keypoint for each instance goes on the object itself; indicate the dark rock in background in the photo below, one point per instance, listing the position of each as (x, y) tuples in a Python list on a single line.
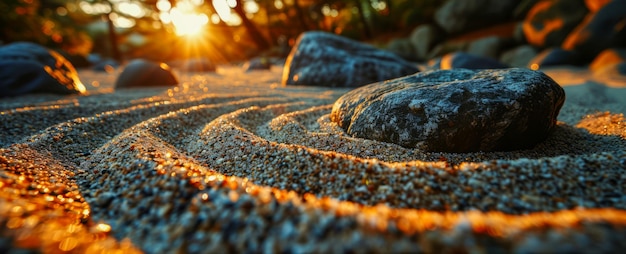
[(555, 56), (462, 15), (600, 30), (522, 9), (30, 68), (565, 32), (454, 110), (549, 22), (608, 57), (106, 65), (423, 39), (621, 68), (197, 65), (418, 45), (259, 63), (324, 59), (144, 73), (612, 70), (518, 57), (609, 62), (487, 46), (403, 48), (77, 60), (448, 47), (466, 61), (518, 34)]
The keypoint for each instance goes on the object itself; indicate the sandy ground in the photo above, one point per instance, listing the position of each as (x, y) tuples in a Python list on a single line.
[(232, 161)]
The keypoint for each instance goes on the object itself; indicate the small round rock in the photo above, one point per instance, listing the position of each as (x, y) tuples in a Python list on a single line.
[(144, 73)]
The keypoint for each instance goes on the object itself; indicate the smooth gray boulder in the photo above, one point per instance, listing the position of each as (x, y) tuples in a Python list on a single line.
[(27, 68), (454, 110), (324, 59)]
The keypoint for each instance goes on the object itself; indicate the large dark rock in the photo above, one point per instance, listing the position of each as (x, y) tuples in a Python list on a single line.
[(144, 73), (600, 30), (549, 22), (461, 15), (324, 59), (454, 110), (30, 68)]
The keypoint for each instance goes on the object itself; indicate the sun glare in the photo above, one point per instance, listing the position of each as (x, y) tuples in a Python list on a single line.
[(186, 21), (225, 12), (188, 24)]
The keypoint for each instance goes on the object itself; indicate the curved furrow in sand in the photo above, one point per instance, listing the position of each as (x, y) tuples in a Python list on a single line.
[(231, 162), (241, 213), (75, 139)]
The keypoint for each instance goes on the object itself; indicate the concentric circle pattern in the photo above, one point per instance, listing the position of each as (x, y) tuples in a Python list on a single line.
[(234, 162)]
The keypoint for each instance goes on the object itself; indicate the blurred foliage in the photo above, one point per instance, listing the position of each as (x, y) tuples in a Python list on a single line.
[(40, 21), (271, 30)]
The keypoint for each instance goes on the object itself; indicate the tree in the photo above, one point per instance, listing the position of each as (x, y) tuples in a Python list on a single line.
[(366, 28), (46, 22), (254, 32)]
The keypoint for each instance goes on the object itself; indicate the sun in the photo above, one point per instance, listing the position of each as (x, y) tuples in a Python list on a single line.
[(186, 20), (188, 24)]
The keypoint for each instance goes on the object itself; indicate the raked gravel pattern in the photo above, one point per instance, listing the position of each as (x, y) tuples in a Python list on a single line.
[(229, 161)]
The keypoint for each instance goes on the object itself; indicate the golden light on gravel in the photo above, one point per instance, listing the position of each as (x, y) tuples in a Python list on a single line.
[(249, 168), (42, 209), (604, 123)]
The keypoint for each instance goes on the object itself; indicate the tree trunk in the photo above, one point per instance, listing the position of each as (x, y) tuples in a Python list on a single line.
[(300, 14), (115, 49), (256, 35), (366, 28), (268, 16)]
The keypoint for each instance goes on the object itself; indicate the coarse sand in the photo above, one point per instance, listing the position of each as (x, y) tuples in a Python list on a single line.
[(233, 162)]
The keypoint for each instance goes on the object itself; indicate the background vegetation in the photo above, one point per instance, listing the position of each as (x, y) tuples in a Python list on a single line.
[(229, 30)]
